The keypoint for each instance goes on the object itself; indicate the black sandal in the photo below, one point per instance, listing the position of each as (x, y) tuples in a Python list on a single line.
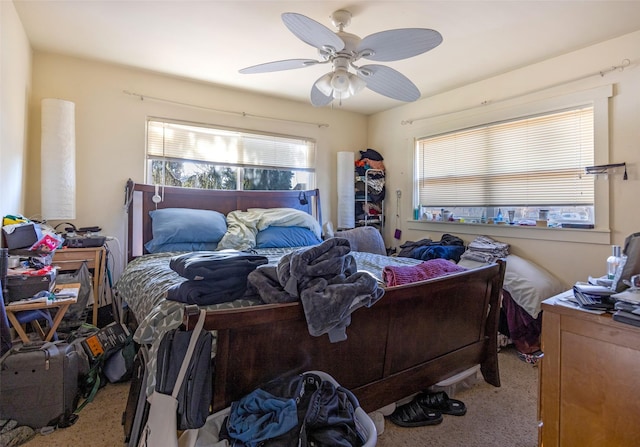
[(439, 401), (414, 415)]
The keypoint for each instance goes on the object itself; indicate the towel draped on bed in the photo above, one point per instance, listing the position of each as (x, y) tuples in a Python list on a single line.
[(325, 279), (398, 275)]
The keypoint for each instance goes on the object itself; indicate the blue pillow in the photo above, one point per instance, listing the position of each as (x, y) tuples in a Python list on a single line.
[(179, 225), (280, 237), (152, 247)]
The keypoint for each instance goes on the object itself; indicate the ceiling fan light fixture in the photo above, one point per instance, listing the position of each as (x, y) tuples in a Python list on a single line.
[(324, 84), (341, 95), (340, 80), (356, 84)]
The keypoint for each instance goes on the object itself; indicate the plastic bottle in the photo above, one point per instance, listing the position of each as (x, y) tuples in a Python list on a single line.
[(613, 261)]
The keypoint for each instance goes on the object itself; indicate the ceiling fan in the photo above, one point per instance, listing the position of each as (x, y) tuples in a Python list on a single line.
[(343, 50)]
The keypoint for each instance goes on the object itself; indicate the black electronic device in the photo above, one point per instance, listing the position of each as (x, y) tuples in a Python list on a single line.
[(84, 241), (94, 229)]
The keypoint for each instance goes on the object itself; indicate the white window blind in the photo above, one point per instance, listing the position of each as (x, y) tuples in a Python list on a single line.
[(198, 143), (535, 161)]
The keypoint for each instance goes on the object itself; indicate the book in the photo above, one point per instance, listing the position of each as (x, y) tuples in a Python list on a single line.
[(627, 317), (627, 307)]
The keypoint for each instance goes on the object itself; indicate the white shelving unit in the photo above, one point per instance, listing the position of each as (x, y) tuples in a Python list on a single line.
[(365, 203)]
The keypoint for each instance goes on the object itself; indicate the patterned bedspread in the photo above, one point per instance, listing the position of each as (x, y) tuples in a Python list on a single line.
[(146, 280)]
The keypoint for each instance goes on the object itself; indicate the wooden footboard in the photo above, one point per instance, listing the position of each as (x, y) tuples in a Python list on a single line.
[(414, 337)]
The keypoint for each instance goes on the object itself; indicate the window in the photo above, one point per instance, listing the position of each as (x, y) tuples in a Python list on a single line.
[(517, 168), (199, 156)]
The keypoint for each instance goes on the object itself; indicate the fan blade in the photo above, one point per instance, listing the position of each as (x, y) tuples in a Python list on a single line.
[(397, 44), (389, 82), (288, 64), (311, 32), (319, 99)]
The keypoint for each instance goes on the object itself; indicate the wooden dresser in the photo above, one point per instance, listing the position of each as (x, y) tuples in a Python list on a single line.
[(589, 380), (71, 259)]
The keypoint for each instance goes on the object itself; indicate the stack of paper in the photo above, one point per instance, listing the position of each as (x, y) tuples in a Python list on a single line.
[(629, 296), (627, 312)]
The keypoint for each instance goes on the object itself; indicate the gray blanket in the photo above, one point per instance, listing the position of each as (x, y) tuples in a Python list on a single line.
[(325, 279)]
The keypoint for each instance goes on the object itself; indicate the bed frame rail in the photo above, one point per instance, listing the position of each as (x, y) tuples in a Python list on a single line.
[(415, 336)]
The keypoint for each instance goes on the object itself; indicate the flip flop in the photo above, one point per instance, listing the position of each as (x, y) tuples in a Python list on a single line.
[(414, 415), (439, 401)]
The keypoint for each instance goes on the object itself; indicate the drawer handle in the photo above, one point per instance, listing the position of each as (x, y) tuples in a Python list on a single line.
[(67, 261)]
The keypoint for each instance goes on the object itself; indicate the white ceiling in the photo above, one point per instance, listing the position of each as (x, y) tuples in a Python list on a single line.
[(210, 40)]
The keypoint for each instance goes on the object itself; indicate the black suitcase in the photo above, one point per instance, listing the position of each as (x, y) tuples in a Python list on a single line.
[(39, 384)]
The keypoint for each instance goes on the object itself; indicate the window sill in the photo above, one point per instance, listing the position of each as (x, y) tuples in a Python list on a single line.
[(587, 236)]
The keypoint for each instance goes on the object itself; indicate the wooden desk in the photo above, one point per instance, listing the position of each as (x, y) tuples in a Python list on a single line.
[(62, 305), (68, 259), (589, 380)]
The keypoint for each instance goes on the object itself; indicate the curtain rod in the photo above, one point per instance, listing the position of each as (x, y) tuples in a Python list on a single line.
[(625, 63), (229, 112)]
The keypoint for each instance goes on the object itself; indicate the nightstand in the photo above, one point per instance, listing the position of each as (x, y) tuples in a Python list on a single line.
[(71, 259)]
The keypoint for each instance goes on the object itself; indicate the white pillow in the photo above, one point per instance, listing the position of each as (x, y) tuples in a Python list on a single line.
[(529, 284)]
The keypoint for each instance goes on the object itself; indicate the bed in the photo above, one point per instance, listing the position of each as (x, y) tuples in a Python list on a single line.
[(416, 335)]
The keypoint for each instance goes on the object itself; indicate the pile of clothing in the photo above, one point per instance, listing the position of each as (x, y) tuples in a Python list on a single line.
[(298, 410), (369, 195), (485, 249), (448, 247), (369, 159), (325, 278), (212, 277)]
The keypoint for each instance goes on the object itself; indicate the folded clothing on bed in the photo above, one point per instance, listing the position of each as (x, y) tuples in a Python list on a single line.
[(433, 268), (221, 264), (208, 291), (213, 277), (485, 249)]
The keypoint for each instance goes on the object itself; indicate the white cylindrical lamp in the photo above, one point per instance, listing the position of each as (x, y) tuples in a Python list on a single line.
[(58, 160), (346, 190)]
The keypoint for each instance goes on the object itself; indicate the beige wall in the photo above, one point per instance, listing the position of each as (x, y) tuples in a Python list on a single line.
[(570, 261), (110, 129), (15, 90)]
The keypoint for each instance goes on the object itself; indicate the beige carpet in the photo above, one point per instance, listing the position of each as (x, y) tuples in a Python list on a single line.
[(505, 416)]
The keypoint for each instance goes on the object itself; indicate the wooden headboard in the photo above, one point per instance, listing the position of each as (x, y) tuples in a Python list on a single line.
[(139, 201)]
